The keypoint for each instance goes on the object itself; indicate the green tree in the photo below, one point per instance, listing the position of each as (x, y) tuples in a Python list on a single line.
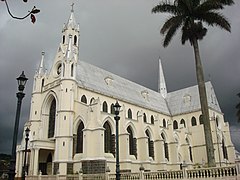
[(189, 16)]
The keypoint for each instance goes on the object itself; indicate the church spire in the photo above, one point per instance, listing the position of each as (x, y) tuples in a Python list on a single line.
[(71, 24), (161, 81), (41, 68)]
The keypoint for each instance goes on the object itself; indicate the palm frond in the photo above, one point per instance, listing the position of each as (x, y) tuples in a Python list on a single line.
[(208, 6), (215, 18), (170, 22), (165, 8), (226, 2), (170, 33)]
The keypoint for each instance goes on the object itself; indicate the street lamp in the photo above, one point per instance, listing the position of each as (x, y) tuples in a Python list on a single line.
[(27, 130), (20, 95), (117, 118)]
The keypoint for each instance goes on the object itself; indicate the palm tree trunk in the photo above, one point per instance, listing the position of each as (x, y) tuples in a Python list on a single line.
[(204, 105)]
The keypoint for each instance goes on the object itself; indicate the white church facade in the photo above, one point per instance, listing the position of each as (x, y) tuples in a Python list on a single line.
[(72, 124)]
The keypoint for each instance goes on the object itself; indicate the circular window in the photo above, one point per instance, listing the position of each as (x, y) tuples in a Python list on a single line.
[(59, 69)]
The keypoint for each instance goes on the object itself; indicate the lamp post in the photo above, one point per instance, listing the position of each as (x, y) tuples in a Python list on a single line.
[(27, 130), (20, 95), (117, 118)]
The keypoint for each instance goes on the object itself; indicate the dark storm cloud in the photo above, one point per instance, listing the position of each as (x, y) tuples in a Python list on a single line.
[(120, 36)]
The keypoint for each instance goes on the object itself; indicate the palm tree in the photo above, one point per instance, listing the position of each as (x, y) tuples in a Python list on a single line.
[(189, 15)]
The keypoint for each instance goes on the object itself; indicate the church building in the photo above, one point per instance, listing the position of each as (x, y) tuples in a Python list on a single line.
[(72, 126)]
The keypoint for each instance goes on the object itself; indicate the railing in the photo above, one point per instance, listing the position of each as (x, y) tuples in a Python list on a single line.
[(125, 176), (229, 172), (164, 175), (213, 172)]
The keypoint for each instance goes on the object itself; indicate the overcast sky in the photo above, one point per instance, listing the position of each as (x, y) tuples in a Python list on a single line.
[(120, 36)]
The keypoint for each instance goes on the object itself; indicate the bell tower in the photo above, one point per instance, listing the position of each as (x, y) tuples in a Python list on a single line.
[(66, 59)]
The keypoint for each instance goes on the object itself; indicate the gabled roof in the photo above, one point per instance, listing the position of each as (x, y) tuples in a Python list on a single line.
[(187, 100), (104, 82), (177, 102)]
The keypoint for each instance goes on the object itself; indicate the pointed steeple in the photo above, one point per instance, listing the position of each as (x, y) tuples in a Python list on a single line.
[(161, 81), (41, 68), (71, 24)]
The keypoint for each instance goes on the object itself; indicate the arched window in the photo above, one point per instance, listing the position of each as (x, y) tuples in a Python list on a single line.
[(164, 123), (80, 138), (150, 145), (84, 99), (224, 150), (183, 122), (92, 100), (72, 68), (144, 118), (175, 124), (152, 119), (52, 117), (193, 121), (217, 121), (190, 150), (75, 40), (201, 119), (109, 139), (105, 107), (132, 142), (129, 113), (42, 85), (165, 146), (112, 109), (63, 40)]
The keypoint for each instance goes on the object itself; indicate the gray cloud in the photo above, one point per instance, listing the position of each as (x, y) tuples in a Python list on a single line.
[(120, 36)]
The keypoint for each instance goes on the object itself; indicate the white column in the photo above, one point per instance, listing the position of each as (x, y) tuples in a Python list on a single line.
[(35, 162), (20, 163), (30, 171), (17, 164)]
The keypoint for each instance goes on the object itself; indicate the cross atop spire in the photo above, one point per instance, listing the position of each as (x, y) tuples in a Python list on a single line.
[(71, 24), (72, 7)]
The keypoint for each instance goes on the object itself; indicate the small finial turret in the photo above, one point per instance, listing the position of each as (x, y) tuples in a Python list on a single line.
[(41, 69)]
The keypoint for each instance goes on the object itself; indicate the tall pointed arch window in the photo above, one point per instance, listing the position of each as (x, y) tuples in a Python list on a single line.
[(165, 147), (183, 123), (150, 144), (84, 99), (109, 139), (80, 138), (129, 113), (52, 117), (190, 150), (164, 123), (144, 118), (63, 39), (132, 142), (92, 100), (112, 109), (193, 121), (75, 40), (224, 150), (175, 124), (201, 119), (152, 119), (72, 70), (105, 107)]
